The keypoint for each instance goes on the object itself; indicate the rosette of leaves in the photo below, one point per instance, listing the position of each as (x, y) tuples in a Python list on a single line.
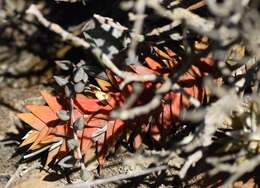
[(72, 120), (76, 79), (89, 116), (54, 124), (160, 122)]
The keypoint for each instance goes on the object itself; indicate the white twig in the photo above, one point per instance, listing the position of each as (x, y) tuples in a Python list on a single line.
[(192, 20), (137, 111), (20, 171), (175, 23), (236, 171), (117, 178), (97, 52), (192, 160), (66, 36), (138, 25)]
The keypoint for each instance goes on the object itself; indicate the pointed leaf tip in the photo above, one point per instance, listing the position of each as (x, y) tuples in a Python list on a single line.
[(44, 113), (31, 120), (88, 104), (51, 101)]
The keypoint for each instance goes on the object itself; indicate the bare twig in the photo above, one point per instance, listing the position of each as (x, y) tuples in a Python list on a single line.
[(155, 102), (97, 52), (118, 177), (192, 20), (175, 23), (66, 36), (192, 160), (137, 111), (20, 171), (137, 90), (236, 171), (140, 8)]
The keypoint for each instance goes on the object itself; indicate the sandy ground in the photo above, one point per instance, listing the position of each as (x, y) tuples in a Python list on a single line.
[(12, 171)]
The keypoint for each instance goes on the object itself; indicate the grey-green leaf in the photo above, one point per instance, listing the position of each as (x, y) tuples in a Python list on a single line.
[(60, 81), (85, 77), (63, 115), (66, 162), (72, 144), (68, 90), (81, 63), (79, 87), (79, 123), (79, 75), (64, 65)]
